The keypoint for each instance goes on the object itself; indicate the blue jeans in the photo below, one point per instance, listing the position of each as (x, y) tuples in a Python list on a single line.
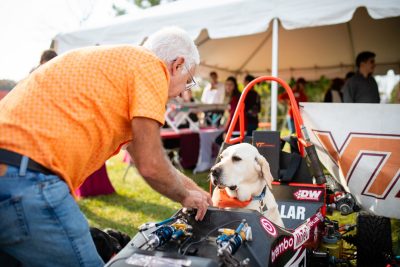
[(41, 224)]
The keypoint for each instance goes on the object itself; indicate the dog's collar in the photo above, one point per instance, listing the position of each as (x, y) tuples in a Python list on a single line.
[(260, 196), (262, 208)]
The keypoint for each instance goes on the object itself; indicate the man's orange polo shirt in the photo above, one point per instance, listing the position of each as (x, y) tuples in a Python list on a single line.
[(74, 112)]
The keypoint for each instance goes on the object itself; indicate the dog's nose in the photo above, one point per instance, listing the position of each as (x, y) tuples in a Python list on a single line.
[(216, 172)]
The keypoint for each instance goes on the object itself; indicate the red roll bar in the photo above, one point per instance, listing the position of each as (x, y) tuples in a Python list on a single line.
[(239, 113)]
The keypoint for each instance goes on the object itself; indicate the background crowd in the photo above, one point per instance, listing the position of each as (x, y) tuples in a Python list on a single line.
[(356, 87)]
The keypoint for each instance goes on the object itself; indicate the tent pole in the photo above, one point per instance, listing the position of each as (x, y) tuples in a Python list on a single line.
[(274, 73)]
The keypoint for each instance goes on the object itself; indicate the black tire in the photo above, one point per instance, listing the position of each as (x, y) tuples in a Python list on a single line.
[(374, 240)]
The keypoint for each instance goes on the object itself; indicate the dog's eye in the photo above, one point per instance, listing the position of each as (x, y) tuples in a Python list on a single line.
[(236, 158)]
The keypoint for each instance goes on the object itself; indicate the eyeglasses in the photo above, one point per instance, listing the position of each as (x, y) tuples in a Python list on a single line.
[(192, 82)]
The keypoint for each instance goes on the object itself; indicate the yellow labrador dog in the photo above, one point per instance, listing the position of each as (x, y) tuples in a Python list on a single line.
[(243, 176)]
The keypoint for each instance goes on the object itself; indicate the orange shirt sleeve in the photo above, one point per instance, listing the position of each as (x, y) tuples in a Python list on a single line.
[(148, 91)]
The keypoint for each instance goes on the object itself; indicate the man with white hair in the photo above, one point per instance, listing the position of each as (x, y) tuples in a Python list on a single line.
[(66, 119)]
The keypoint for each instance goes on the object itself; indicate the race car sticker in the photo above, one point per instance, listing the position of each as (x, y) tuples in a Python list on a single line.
[(307, 194), (268, 226), (284, 244), (302, 233), (295, 212)]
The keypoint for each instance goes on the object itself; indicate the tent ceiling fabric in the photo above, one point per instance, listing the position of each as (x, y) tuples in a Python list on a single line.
[(234, 36), (309, 52)]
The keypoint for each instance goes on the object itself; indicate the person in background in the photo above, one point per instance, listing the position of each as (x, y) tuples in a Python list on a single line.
[(233, 95), (63, 121), (299, 95), (46, 56), (213, 93), (362, 87), (334, 94), (252, 107)]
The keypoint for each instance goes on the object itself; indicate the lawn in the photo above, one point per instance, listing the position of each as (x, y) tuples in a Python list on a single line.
[(136, 203)]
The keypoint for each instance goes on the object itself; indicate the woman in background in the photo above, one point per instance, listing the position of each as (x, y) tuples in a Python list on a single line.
[(232, 94)]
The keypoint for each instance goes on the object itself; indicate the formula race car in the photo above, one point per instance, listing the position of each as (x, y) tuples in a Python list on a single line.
[(305, 193)]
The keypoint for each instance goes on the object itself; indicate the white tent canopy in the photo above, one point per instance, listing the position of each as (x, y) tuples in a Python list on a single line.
[(316, 37)]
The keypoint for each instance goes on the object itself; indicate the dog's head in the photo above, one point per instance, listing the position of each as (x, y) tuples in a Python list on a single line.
[(242, 170)]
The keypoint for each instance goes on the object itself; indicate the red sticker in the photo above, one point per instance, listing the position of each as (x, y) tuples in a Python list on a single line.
[(268, 226)]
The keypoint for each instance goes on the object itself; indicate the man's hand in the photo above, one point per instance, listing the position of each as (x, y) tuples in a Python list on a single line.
[(190, 185), (197, 200)]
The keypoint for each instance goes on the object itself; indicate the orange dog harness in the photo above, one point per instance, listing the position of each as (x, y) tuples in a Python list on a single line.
[(226, 201)]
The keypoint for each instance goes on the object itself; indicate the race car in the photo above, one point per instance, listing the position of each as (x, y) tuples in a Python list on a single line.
[(305, 193)]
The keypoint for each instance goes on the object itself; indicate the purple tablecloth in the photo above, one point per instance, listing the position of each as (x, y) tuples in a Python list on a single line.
[(96, 184)]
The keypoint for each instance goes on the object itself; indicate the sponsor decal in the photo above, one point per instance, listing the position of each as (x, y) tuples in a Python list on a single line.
[(263, 144), (307, 194), (300, 236), (292, 212), (268, 226), (281, 247), (302, 233)]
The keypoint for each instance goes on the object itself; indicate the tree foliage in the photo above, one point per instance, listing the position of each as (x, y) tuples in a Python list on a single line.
[(119, 11), (150, 3), (140, 3)]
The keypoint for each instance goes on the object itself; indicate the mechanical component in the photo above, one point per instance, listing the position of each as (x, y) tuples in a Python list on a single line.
[(229, 243), (180, 228), (161, 236), (147, 226), (230, 240), (315, 164), (345, 203), (339, 199), (331, 242)]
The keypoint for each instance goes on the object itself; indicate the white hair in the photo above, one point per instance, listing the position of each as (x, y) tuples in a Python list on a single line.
[(172, 42)]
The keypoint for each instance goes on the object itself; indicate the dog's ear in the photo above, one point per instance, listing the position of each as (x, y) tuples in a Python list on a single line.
[(123, 238), (265, 170), (106, 245)]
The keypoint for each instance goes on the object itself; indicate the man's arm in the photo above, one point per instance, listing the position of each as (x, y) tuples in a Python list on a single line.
[(147, 150), (190, 184)]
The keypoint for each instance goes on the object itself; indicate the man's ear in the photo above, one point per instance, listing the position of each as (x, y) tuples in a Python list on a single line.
[(265, 170), (177, 65)]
